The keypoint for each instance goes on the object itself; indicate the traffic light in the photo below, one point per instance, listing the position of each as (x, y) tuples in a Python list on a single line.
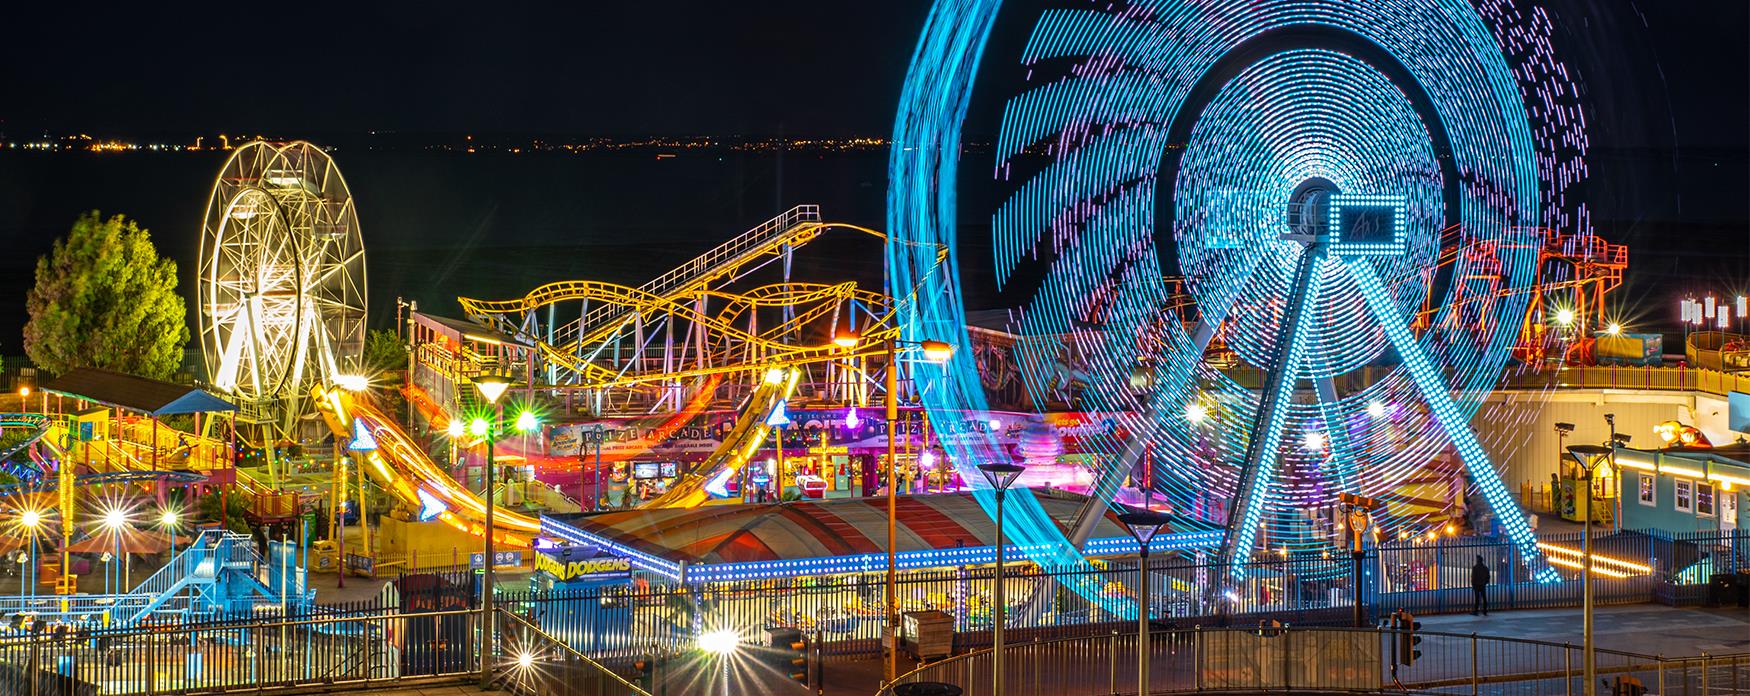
[(798, 658), (1407, 625), (642, 669)]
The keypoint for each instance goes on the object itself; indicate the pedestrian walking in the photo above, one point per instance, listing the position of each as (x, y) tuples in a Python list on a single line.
[(1479, 583)]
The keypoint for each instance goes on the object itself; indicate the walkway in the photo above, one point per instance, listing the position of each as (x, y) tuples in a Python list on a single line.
[(1641, 628)]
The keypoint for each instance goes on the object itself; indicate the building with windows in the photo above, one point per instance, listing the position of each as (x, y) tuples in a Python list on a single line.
[(1683, 489)]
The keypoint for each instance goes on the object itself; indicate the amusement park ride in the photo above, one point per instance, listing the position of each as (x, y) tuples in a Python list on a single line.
[(1303, 319)]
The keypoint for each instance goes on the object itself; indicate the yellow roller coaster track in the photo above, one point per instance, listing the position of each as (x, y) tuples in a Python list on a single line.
[(682, 294)]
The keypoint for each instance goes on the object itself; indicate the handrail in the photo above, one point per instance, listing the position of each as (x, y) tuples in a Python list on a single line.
[(571, 652)]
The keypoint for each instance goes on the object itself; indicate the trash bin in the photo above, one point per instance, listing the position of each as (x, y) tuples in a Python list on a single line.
[(1722, 589)]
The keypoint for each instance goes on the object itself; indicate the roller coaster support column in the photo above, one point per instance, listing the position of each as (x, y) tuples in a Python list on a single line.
[(890, 635)]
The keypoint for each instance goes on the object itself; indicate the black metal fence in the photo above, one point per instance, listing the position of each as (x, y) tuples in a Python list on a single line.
[(1320, 660), (429, 626), (848, 611)]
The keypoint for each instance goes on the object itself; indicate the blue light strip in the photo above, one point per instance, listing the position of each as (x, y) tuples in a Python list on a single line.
[(860, 563), (1455, 424), (555, 529), (1257, 478)]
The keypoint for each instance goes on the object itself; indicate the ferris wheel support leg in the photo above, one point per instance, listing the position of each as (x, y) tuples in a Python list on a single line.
[(1257, 472), (1433, 387)]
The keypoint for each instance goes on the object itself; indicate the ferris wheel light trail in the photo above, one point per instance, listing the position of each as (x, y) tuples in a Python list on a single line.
[(1430, 129)]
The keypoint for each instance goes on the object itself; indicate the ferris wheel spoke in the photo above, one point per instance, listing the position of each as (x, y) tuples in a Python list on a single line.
[(226, 376), (1432, 385), (339, 268)]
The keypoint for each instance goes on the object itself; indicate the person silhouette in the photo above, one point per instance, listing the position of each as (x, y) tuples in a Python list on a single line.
[(1479, 584)]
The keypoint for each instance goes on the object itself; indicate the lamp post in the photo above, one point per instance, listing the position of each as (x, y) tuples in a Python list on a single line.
[(169, 521), (115, 520), (1589, 456), (31, 521), (1000, 476), (1143, 526), (600, 433), (935, 352), (491, 387)]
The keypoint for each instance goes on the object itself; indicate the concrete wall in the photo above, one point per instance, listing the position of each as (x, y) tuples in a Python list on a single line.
[(1517, 428)]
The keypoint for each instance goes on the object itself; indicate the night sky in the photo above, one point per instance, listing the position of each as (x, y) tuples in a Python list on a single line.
[(1667, 82)]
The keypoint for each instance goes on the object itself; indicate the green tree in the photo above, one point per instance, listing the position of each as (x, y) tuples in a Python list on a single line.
[(384, 351), (105, 298)]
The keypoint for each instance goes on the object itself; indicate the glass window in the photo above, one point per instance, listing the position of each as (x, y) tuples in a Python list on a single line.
[(1704, 499), (1648, 489), (1684, 502)]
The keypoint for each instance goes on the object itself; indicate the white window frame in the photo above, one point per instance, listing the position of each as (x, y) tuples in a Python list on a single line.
[(1649, 490), (1713, 498), (1683, 495)]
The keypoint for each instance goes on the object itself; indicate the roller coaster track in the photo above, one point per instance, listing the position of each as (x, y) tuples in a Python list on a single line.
[(682, 294), (739, 445), (39, 426)]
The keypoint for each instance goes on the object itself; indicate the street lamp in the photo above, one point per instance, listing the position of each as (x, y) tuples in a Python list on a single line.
[(30, 520), (491, 387), (1589, 457), (169, 519), (1000, 476), (1143, 525), (935, 352), (116, 519)]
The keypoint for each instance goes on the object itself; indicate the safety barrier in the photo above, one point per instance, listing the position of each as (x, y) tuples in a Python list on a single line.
[(1320, 660)]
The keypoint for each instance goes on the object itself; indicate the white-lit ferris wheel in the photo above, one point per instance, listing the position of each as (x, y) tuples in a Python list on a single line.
[(282, 294)]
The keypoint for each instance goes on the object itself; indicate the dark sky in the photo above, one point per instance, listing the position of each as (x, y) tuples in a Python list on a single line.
[(1667, 84), (576, 67)]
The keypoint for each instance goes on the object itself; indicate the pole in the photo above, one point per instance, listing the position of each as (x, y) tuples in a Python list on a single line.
[(998, 611), (1590, 667), (891, 644), (779, 483), (599, 436), (1142, 612), (339, 528), (486, 562), (1358, 557)]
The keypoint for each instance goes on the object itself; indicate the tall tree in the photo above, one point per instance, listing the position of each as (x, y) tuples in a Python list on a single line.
[(384, 351), (105, 298)]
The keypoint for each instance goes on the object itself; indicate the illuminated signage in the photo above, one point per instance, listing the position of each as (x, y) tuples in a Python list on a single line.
[(563, 570)]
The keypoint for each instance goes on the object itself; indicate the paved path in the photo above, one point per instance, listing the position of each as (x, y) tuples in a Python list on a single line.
[(1637, 628), (1640, 628)]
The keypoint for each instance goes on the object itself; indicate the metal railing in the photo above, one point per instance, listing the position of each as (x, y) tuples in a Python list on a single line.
[(537, 664), (1424, 578), (1253, 660), (1632, 377)]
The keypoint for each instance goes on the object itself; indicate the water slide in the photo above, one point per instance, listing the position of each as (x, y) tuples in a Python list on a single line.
[(739, 445)]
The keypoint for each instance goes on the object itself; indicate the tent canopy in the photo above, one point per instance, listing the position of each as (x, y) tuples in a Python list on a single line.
[(133, 393)]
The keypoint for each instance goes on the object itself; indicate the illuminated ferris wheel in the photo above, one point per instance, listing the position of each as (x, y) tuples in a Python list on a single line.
[(1351, 192), (282, 294)]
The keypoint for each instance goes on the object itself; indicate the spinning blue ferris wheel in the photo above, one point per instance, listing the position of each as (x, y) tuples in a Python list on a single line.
[(1304, 167)]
